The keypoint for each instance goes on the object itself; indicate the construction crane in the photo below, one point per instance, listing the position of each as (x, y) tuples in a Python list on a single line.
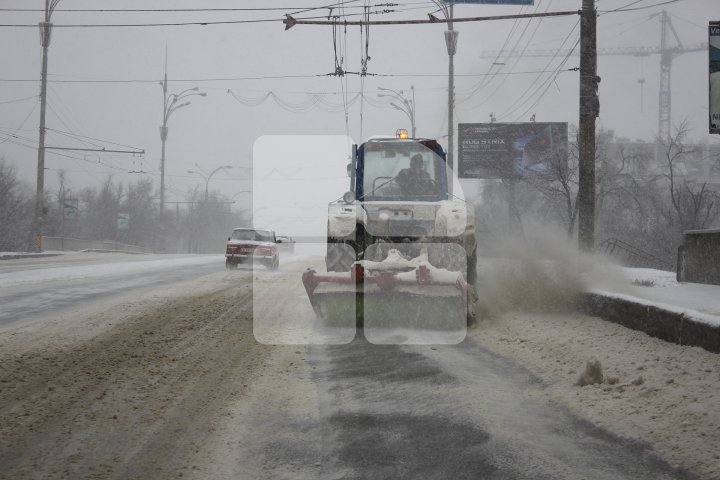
[(666, 52)]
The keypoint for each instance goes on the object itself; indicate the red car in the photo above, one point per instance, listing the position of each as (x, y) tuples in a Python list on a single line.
[(250, 245)]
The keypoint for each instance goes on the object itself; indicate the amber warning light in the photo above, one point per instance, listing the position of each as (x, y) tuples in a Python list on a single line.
[(401, 133)]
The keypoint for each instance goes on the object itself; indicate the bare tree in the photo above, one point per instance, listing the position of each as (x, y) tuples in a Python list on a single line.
[(16, 207), (692, 204)]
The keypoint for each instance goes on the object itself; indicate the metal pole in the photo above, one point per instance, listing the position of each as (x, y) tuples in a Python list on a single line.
[(412, 120), (45, 28), (163, 137), (451, 37), (589, 110)]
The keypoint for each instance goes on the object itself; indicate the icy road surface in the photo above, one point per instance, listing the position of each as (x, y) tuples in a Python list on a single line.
[(32, 288), (166, 380)]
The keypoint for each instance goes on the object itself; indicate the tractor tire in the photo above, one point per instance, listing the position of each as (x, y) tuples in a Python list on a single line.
[(471, 277), (340, 257)]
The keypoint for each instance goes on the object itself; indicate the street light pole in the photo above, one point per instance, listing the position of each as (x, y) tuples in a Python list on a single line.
[(408, 106), (170, 104), (207, 179), (238, 193)]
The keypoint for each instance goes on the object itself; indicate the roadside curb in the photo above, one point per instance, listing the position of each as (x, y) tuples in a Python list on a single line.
[(100, 250), (677, 327), (28, 255)]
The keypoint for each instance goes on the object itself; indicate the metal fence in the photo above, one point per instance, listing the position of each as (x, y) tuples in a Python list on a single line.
[(65, 244)]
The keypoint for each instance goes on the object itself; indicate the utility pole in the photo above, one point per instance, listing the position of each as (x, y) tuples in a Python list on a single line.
[(45, 29), (589, 110), (451, 38)]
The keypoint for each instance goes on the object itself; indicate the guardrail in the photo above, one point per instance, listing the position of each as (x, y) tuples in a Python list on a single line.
[(616, 247), (65, 244)]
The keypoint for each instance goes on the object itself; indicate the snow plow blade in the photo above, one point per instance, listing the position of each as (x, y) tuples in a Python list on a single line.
[(425, 299)]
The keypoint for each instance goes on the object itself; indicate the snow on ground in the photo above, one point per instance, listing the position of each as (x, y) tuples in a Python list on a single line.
[(653, 391), (110, 267), (661, 289)]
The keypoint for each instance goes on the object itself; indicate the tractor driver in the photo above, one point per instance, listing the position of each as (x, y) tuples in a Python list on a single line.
[(415, 180)]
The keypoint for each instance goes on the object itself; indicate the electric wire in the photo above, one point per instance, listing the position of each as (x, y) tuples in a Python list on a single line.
[(22, 124), (547, 83), (170, 10), (645, 7), (519, 99), (517, 59), (485, 81), (17, 100)]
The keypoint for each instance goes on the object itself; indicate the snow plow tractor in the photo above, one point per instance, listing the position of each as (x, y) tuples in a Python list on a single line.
[(401, 249)]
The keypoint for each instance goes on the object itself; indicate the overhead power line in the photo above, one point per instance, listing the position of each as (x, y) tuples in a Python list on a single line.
[(291, 21), (183, 24), (268, 77), (247, 9), (645, 7), (101, 150)]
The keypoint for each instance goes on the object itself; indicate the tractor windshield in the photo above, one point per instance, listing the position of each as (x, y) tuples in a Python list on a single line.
[(400, 171)]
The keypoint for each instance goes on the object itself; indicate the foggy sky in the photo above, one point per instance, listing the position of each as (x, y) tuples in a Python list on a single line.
[(119, 102)]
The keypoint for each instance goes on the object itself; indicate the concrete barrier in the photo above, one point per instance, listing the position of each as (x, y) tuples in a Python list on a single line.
[(699, 257), (663, 323)]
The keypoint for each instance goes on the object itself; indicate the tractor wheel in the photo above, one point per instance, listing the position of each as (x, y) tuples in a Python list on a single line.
[(340, 257), (471, 277)]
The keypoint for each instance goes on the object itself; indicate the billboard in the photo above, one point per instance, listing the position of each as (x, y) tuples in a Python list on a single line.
[(714, 54), (507, 150)]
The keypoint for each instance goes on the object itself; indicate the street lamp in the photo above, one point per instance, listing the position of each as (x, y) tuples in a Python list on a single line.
[(207, 179), (238, 193), (170, 104), (406, 106)]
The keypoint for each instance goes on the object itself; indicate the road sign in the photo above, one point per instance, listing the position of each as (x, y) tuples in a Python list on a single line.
[(123, 221), (70, 209)]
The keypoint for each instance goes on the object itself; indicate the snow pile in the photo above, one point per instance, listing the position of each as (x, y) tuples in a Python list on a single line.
[(406, 268)]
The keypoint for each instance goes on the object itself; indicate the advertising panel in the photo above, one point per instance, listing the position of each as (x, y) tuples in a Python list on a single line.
[(506, 150), (714, 54)]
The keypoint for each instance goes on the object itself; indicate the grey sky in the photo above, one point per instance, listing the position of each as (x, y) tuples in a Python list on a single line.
[(122, 102)]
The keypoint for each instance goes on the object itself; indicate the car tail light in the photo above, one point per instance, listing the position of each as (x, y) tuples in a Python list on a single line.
[(265, 251)]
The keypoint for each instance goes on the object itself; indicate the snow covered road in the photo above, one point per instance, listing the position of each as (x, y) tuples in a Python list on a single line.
[(167, 380), (32, 289)]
